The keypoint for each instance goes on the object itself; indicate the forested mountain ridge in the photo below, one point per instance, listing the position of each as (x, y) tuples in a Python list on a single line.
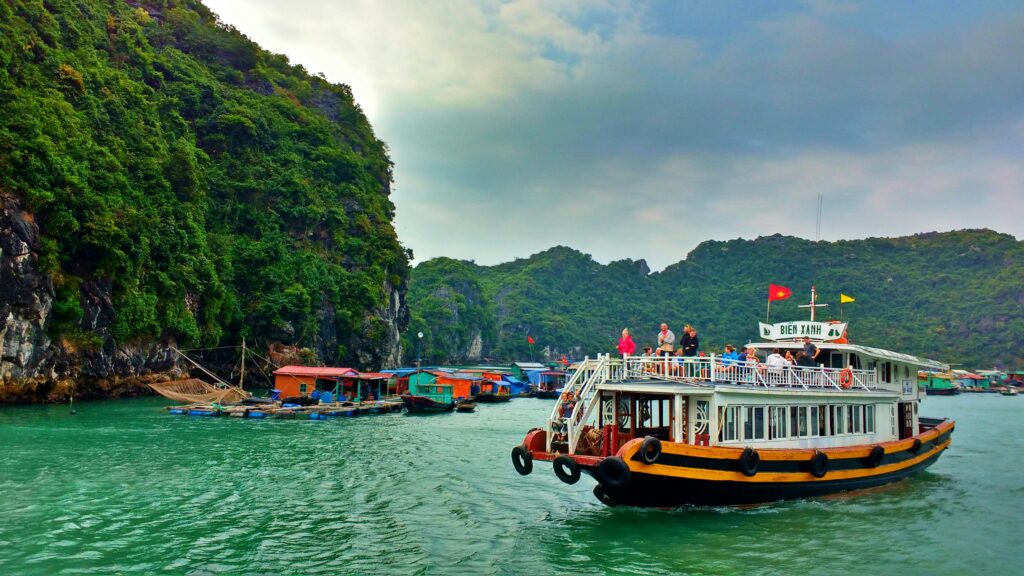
[(954, 296), (166, 181)]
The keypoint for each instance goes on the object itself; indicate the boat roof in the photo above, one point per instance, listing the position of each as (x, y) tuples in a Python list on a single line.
[(530, 365), (866, 350), (317, 371), (654, 386)]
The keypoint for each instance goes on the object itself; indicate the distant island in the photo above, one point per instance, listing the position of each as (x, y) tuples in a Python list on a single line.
[(957, 297)]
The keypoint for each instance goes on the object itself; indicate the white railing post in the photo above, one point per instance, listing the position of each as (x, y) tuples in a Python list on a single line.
[(712, 367)]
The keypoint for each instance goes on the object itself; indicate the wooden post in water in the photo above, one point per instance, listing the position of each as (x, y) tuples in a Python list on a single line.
[(241, 377)]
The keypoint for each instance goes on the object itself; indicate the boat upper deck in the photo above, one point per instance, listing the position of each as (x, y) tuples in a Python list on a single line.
[(707, 373)]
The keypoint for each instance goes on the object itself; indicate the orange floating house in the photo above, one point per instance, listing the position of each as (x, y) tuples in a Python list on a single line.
[(302, 380)]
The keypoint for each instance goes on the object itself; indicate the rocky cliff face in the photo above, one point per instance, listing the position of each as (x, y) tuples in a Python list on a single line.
[(36, 368)]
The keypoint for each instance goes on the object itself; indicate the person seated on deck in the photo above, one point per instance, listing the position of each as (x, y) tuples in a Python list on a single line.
[(729, 359), (790, 360), (803, 361), (752, 363), (648, 366), (675, 367), (776, 363)]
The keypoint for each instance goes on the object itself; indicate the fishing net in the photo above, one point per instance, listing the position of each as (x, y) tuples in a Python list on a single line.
[(196, 391)]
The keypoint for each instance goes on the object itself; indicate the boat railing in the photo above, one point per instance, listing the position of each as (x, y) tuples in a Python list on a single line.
[(713, 369), (585, 371), (585, 402)]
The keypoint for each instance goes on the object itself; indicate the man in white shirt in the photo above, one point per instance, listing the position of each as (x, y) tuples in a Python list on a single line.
[(775, 363)]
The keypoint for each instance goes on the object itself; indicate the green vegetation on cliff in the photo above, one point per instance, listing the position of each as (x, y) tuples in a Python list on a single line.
[(210, 188), (956, 297)]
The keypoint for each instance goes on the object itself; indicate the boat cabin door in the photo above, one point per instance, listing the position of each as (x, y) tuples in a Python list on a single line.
[(905, 419)]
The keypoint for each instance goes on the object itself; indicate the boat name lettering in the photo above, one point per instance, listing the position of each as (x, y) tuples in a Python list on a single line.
[(822, 331)]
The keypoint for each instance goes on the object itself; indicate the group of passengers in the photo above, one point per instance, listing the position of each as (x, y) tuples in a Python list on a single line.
[(731, 359)]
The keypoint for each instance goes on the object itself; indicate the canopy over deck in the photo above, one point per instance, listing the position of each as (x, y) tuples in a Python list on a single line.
[(879, 353)]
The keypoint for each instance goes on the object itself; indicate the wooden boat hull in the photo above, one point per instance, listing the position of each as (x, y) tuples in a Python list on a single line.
[(492, 398), (549, 394), (711, 476), (942, 391), (465, 406), (424, 405)]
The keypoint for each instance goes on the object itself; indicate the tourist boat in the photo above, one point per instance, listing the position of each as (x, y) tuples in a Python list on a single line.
[(708, 432)]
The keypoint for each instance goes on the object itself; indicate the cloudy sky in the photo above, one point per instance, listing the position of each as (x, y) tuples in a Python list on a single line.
[(639, 129)]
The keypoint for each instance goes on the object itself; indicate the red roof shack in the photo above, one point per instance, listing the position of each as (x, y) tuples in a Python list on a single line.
[(302, 380)]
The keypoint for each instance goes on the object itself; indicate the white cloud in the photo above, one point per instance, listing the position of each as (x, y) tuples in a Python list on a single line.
[(518, 125)]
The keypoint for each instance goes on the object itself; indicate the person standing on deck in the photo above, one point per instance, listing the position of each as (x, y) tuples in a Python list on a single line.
[(690, 342), (626, 345), (684, 339), (811, 351), (666, 340)]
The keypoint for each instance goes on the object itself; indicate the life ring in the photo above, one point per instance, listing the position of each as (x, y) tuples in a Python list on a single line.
[(749, 461), (916, 446), (614, 473), (875, 457), (522, 460), (846, 378), (819, 464), (566, 469), (601, 494), (650, 450)]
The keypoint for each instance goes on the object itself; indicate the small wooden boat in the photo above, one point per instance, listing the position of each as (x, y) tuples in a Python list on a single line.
[(465, 406), (425, 405), (1008, 391)]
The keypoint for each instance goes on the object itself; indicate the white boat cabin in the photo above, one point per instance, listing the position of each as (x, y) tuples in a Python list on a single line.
[(855, 395)]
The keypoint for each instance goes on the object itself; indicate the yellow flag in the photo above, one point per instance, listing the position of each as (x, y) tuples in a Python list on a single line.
[(843, 298)]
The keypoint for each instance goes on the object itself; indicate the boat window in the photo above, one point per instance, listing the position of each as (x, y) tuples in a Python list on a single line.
[(794, 422), (869, 418), (803, 422), (855, 361), (892, 419), (607, 409), (822, 419), (753, 423), (777, 422), (727, 416), (814, 420), (906, 371), (838, 419), (856, 419), (887, 371)]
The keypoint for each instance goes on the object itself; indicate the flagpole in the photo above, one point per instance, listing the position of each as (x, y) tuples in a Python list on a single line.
[(769, 314)]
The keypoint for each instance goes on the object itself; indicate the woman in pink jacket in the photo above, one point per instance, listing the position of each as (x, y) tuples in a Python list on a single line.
[(626, 346)]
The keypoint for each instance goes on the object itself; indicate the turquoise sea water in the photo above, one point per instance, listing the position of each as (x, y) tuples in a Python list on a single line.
[(123, 488)]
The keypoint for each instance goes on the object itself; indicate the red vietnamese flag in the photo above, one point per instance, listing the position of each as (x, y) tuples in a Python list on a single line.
[(778, 292), (530, 340)]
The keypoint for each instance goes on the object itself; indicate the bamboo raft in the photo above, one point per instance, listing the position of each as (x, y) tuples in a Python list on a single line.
[(277, 410)]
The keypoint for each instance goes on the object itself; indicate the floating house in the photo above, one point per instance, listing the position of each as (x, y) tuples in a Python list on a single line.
[(521, 370), (303, 380)]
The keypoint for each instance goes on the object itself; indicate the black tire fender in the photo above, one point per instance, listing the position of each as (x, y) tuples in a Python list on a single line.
[(916, 446), (601, 494), (522, 460), (614, 473), (749, 461), (819, 464), (875, 457), (566, 469), (650, 450)]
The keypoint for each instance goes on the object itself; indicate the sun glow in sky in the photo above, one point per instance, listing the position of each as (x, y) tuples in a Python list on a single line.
[(639, 129)]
